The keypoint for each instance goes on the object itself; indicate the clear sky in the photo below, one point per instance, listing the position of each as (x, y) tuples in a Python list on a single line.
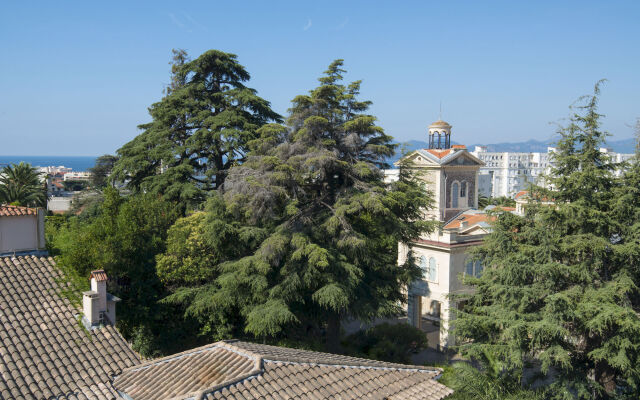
[(76, 78)]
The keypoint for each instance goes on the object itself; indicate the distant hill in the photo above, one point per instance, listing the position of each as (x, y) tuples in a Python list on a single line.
[(619, 146)]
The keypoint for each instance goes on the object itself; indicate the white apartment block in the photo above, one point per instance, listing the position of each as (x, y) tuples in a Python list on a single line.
[(53, 170), (77, 176), (507, 173), (618, 157)]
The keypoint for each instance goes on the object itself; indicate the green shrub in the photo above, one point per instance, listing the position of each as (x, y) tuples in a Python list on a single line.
[(386, 342), (470, 383)]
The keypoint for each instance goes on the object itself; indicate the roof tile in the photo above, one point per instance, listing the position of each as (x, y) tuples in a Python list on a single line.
[(243, 370), (99, 275), (14, 211), (44, 352)]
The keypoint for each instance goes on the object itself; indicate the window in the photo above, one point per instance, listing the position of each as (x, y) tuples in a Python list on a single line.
[(463, 189), (478, 271), (430, 270), (469, 269), (454, 195), (432, 273), (473, 268), (423, 265)]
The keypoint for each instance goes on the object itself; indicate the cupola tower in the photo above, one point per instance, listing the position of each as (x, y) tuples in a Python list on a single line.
[(440, 135)]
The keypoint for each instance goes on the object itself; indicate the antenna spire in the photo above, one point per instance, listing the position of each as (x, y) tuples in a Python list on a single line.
[(440, 116)]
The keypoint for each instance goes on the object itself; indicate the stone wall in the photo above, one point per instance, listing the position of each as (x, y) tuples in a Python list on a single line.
[(460, 176)]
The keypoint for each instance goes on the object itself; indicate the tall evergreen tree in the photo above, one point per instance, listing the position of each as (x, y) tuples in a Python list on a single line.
[(21, 184), (628, 197), (101, 170), (199, 129), (307, 231), (560, 287)]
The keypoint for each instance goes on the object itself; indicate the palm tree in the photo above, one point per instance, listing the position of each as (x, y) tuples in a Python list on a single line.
[(483, 201), (21, 184)]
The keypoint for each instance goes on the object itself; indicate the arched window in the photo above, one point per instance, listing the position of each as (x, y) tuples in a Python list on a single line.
[(463, 189), (469, 269), (423, 266), (432, 274), (478, 269), (454, 195)]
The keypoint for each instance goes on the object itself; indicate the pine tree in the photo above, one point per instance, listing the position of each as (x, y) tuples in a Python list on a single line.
[(560, 290), (199, 129), (101, 170), (307, 231)]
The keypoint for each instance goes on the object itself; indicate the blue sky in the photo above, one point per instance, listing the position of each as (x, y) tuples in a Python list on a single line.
[(76, 78)]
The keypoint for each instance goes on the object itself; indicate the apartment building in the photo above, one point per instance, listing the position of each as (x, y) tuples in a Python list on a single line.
[(507, 173)]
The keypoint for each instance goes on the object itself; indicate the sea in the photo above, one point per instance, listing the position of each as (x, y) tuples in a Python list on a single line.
[(76, 163)]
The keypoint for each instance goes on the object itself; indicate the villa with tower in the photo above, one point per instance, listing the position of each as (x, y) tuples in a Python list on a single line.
[(450, 172)]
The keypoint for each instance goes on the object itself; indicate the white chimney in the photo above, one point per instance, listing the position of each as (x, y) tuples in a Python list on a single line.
[(90, 308), (99, 307)]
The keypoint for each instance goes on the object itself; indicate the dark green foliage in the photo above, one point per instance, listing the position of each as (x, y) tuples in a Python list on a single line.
[(52, 227), (489, 383), (22, 185), (560, 286), (483, 201), (87, 205), (75, 186), (123, 239), (498, 201), (306, 232), (386, 342), (101, 170), (200, 129), (627, 206)]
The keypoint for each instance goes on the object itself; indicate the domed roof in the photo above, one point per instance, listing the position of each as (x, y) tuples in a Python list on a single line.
[(440, 124)]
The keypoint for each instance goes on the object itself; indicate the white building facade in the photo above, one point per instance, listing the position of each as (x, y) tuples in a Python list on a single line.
[(507, 173), (21, 229), (451, 173)]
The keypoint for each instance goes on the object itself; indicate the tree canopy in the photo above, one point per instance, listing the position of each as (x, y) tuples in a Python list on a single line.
[(198, 131), (305, 231), (560, 286), (101, 170), (123, 237), (21, 184)]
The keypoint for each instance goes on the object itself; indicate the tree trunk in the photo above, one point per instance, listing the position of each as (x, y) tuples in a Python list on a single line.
[(605, 376), (333, 334)]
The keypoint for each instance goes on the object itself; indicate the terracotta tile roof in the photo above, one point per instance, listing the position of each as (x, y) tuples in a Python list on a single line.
[(439, 153), (473, 217), (470, 219), (99, 274), (44, 352), (458, 146), (524, 195), (11, 211), (521, 193), (242, 370)]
